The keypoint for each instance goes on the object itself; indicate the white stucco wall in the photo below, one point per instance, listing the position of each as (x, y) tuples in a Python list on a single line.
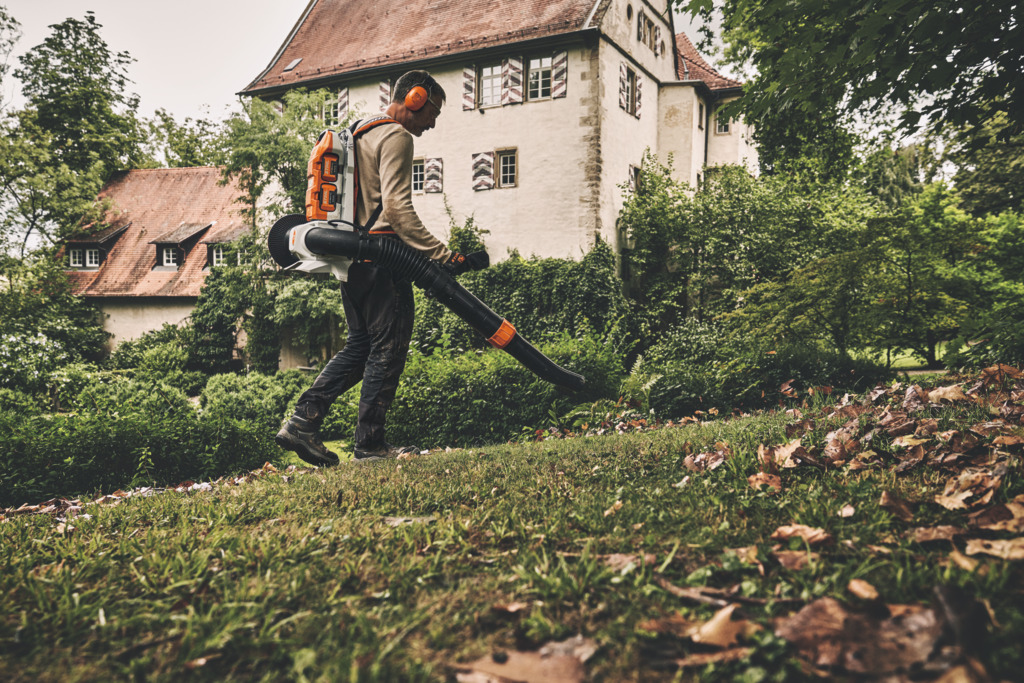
[(734, 147), (130, 318), (680, 133)]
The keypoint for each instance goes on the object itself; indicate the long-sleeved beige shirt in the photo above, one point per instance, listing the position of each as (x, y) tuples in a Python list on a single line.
[(384, 157)]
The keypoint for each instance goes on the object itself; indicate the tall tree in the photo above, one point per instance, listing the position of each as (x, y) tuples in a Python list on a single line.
[(936, 62), (194, 142), (77, 87), (10, 31)]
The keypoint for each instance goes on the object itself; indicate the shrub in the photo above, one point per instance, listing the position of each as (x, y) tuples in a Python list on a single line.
[(167, 363), (123, 433), (460, 399), (27, 359), (129, 353), (260, 399)]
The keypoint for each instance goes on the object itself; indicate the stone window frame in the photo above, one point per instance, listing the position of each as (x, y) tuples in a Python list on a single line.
[(503, 155), (419, 175)]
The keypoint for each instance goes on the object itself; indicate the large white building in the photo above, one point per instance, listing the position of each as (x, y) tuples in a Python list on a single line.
[(551, 105)]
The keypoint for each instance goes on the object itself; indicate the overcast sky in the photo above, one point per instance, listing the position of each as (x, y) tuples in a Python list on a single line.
[(192, 56), (189, 54)]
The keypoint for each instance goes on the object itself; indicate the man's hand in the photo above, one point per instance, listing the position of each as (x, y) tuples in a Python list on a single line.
[(458, 263)]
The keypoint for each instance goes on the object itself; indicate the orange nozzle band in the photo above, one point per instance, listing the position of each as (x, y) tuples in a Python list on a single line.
[(503, 336)]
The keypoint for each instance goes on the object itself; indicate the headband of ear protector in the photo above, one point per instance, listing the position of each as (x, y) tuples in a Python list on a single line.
[(416, 98)]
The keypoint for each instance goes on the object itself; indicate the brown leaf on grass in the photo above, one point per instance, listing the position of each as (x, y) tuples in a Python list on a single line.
[(862, 589), (973, 487), (999, 374), (801, 427), (1006, 517), (787, 389), (912, 458), (795, 560), (896, 505), (951, 394), (827, 634), (962, 561), (927, 427), (934, 533), (989, 428), (812, 535), (760, 479), (915, 399), (617, 562), (722, 630), (553, 663), (970, 672), (1008, 441), (1009, 549), (896, 423), (616, 506)]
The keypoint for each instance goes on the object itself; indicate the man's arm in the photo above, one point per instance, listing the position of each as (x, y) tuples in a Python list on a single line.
[(396, 152)]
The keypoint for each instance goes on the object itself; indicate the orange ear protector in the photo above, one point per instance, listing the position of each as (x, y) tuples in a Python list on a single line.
[(416, 98)]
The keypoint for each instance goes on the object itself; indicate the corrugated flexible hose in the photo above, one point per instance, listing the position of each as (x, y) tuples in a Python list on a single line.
[(406, 263)]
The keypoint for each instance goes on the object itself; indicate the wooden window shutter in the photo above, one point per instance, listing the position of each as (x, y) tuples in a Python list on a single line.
[(559, 74), (385, 95), (342, 103), (639, 82), (512, 81), (433, 182), (623, 87), (469, 88), (483, 171)]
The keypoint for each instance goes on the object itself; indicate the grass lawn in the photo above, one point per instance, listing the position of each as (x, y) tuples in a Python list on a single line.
[(654, 545)]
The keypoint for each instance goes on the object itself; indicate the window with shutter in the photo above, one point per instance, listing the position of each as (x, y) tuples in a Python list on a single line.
[(385, 95), (491, 79)]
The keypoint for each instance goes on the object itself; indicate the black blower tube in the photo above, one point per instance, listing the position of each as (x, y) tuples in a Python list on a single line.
[(405, 262)]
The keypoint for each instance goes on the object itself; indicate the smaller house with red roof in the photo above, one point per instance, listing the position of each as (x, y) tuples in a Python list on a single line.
[(166, 228)]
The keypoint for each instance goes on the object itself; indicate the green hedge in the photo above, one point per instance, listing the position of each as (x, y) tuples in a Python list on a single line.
[(118, 435), (477, 397)]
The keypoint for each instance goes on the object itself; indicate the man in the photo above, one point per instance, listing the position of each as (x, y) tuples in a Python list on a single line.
[(378, 308)]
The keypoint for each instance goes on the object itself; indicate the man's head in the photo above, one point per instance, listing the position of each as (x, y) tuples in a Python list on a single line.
[(417, 102)]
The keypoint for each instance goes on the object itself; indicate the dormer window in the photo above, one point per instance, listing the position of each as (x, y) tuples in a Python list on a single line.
[(75, 258), (217, 255), (169, 257), (92, 258)]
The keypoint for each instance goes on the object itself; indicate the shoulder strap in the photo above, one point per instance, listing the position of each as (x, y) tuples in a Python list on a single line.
[(357, 130)]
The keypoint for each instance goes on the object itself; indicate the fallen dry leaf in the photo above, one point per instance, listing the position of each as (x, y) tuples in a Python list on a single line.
[(616, 506), (828, 635), (962, 561), (812, 535), (618, 562), (762, 479), (847, 511), (935, 533), (1009, 549), (795, 560), (510, 608), (553, 663), (998, 374), (722, 630), (1006, 517), (896, 505), (862, 589), (951, 393), (974, 484)]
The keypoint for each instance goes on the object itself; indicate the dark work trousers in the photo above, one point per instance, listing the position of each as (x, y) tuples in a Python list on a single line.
[(380, 313)]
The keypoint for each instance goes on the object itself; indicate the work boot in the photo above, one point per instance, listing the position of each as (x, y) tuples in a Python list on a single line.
[(299, 435), (385, 451)]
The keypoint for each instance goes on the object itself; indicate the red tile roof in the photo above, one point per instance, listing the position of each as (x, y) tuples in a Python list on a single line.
[(693, 67), (158, 202), (336, 37)]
